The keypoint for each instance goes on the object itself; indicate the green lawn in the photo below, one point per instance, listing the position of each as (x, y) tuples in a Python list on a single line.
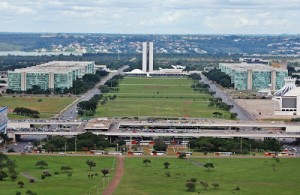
[(158, 97), (78, 184), (48, 107), (252, 175)]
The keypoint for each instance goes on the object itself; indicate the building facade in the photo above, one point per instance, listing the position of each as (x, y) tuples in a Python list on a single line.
[(254, 76), (3, 119), (55, 74), (147, 57)]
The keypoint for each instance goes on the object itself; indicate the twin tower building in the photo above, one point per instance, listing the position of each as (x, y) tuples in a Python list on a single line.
[(147, 57)]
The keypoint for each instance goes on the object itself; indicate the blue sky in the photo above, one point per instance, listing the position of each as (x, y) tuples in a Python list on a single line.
[(151, 16)]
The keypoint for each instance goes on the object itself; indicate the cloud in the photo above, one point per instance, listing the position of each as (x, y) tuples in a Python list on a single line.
[(151, 16)]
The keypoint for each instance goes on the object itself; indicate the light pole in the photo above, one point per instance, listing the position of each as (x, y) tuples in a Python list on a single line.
[(65, 147), (250, 150), (75, 144), (241, 145)]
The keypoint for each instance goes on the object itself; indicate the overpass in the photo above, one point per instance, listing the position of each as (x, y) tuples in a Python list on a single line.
[(27, 124), (220, 134), (200, 124)]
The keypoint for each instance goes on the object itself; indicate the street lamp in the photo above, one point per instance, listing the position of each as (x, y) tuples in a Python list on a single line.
[(75, 144), (65, 147)]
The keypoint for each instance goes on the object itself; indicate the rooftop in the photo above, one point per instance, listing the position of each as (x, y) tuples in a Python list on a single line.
[(255, 67), (61, 66)]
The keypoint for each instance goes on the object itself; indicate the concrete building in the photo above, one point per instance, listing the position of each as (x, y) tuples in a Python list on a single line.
[(55, 74), (287, 99), (3, 119), (147, 57), (246, 76)]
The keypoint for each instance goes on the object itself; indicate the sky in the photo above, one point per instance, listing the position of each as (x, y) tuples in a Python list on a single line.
[(151, 16)]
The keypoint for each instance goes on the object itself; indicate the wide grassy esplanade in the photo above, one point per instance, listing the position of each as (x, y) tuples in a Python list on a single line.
[(158, 97)]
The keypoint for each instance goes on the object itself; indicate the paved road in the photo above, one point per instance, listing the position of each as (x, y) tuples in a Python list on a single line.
[(242, 114), (215, 133), (70, 113)]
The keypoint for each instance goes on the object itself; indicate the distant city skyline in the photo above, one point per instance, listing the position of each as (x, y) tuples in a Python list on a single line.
[(152, 16)]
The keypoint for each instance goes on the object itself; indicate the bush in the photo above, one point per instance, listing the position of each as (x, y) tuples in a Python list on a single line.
[(56, 173), (168, 174), (237, 188), (191, 186), (182, 156), (215, 185), (43, 176), (31, 180), (18, 193), (193, 180), (21, 184), (10, 150)]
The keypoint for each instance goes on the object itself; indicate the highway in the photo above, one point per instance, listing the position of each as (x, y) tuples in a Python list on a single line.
[(70, 111), (242, 114)]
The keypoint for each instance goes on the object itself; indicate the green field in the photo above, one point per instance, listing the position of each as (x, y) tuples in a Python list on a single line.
[(158, 97), (252, 175), (78, 184), (48, 106)]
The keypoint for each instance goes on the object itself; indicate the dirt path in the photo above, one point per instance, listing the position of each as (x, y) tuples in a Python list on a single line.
[(117, 178)]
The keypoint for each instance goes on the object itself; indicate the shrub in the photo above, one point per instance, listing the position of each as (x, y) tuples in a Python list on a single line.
[(191, 186), (31, 180), (204, 184), (182, 156), (21, 184), (10, 150), (193, 180), (43, 176), (237, 188), (168, 174), (215, 185)]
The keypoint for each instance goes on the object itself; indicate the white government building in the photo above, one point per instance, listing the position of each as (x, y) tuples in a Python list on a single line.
[(148, 65), (287, 99)]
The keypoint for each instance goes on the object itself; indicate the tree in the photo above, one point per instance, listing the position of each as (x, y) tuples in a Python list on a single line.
[(146, 162), (41, 164), (90, 163), (13, 176), (69, 174), (104, 172), (204, 184), (208, 165), (58, 142), (191, 186), (159, 145), (182, 155), (29, 192), (21, 184), (215, 185), (104, 89), (166, 164), (66, 169)]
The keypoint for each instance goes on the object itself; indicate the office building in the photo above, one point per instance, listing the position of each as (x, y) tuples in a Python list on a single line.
[(246, 76), (3, 119), (147, 57), (55, 74)]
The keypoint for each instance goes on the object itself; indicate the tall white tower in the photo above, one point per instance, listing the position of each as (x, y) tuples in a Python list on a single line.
[(147, 57)]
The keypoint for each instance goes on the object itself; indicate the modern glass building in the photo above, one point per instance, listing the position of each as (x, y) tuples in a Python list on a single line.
[(56, 74), (254, 76), (3, 119)]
